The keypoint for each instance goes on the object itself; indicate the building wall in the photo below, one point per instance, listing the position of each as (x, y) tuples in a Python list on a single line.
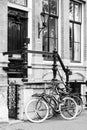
[(3, 25), (63, 42), (3, 61), (41, 69)]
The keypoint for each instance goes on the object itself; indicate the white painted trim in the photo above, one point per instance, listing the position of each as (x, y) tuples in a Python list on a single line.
[(46, 62), (82, 35), (30, 35), (59, 29), (76, 63), (16, 6), (80, 1)]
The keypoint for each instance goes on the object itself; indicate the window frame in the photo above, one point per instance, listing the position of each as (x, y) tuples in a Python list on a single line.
[(55, 19), (73, 22)]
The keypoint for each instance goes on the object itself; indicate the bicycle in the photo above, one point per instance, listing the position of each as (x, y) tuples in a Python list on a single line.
[(37, 110), (75, 96), (79, 102)]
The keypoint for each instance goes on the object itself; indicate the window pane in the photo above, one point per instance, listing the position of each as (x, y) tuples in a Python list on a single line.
[(51, 27), (77, 52), (71, 40), (45, 40), (71, 33), (51, 45), (53, 7), (56, 28), (20, 2), (78, 12), (77, 32), (71, 10), (53, 32), (45, 6)]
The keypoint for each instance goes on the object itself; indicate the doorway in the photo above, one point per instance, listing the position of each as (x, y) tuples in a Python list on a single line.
[(17, 33)]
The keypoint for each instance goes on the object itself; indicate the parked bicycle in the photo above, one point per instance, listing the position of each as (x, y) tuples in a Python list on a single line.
[(38, 109), (75, 96), (78, 99)]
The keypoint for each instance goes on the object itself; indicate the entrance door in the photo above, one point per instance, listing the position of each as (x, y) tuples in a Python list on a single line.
[(17, 29), (17, 33)]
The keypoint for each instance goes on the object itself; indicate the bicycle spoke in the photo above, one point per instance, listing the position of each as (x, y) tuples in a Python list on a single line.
[(36, 111), (69, 109)]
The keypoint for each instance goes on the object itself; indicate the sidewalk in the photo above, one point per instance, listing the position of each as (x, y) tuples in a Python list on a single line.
[(79, 123)]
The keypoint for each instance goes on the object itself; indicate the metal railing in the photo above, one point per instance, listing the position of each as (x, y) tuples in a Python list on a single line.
[(56, 57), (54, 54)]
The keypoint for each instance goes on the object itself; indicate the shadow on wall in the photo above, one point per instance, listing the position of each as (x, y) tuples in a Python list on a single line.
[(76, 77)]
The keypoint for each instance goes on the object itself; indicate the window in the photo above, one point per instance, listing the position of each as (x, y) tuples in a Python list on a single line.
[(75, 16), (50, 34)]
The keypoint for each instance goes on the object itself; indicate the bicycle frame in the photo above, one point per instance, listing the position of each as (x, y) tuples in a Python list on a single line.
[(45, 97)]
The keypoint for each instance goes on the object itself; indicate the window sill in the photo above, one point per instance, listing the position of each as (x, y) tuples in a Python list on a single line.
[(76, 63)]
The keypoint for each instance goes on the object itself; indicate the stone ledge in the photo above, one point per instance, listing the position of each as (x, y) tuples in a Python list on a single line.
[(37, 85)]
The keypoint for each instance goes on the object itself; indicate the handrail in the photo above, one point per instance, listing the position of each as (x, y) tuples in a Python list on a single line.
[(61, 62), (13, 52), (27, 51)]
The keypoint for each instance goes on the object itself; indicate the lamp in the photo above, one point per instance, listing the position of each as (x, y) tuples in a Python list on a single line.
[(44, 18)]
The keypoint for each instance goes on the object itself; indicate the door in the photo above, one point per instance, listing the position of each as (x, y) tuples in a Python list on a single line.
[(17, 29), (17, 33)]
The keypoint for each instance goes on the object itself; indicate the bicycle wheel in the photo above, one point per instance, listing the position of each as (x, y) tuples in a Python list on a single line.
[(79, 102), (36, 110), (68, 109)]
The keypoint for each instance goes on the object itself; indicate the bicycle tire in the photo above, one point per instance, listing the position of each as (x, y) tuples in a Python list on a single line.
[(79, 102), (68, 109), (36, 110)]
